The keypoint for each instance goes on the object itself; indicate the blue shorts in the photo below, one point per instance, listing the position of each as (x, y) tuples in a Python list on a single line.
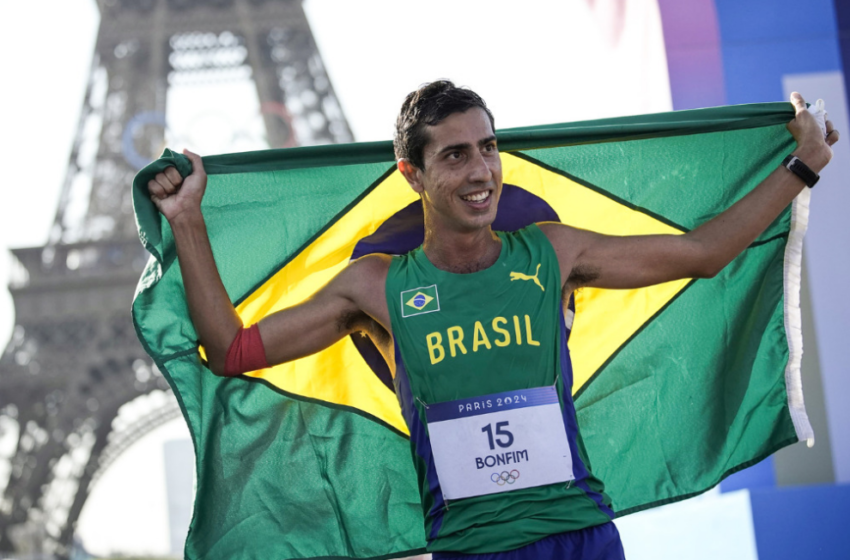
[(600, 542)]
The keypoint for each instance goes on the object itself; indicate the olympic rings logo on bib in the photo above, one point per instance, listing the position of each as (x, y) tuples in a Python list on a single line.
[(505, 477)]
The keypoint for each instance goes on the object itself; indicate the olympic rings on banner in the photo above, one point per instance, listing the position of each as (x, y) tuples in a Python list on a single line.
[(505, 477)]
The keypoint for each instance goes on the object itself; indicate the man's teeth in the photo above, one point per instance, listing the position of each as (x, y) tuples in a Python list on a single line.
[(477, 197)]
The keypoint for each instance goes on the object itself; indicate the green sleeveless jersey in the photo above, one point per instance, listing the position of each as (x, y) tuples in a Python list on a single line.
[(462, 336)]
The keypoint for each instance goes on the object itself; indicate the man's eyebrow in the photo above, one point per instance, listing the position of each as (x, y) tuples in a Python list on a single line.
[(455, 147), (467, 145)]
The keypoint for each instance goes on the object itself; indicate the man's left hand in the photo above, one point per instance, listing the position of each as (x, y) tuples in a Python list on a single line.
[(812, 148)]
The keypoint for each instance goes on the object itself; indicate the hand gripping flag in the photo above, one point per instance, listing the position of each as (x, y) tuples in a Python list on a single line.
[(676, 386)]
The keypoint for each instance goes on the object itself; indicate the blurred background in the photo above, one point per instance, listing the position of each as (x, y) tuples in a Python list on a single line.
[(95, 460)]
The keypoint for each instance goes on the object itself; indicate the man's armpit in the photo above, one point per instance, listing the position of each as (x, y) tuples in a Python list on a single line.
[(358, 321), (582, 275)]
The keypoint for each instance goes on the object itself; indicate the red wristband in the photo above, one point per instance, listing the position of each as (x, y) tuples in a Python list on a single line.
[(246, 352)]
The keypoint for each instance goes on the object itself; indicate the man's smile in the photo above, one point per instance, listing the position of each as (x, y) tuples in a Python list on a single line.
[(478, 199)]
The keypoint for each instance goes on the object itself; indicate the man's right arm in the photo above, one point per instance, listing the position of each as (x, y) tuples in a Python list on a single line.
[(332, 313)]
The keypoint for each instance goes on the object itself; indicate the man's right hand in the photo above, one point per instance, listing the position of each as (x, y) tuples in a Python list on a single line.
[(175, 196)]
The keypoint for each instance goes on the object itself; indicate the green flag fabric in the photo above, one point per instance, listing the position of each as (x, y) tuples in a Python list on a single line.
[(676, 386)]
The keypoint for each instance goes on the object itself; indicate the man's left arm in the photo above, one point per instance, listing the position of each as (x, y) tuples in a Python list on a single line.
[(591, 259)]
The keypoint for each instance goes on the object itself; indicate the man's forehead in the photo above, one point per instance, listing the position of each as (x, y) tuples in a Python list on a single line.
[(470, 127)]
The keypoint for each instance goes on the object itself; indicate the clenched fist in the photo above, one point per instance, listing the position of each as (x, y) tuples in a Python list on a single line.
[(175, 196)]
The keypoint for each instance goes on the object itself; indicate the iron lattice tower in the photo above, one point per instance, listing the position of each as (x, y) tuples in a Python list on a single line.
[(74, 364)]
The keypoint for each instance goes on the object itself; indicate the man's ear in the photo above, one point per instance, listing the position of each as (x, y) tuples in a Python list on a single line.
[(412, 173)]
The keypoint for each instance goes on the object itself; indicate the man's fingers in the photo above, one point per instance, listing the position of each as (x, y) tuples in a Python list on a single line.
[(197, 162), (831, 134), (832, 137), (798, 102), (155, 189), (165, 183), (174, 176)]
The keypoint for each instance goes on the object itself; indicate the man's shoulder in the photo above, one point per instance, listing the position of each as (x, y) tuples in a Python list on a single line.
[(560, 235), (363, 283), (369, 269), (552, 229)]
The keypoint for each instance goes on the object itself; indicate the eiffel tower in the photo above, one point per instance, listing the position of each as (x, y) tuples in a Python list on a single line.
[(76, 388)]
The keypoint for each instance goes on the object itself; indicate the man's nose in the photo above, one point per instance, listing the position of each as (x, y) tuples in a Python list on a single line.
[(480, 171)]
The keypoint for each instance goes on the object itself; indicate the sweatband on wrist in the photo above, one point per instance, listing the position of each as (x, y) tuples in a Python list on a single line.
[(246, 352)]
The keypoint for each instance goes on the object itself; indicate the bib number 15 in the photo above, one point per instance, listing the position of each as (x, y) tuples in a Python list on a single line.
[(503, 438)]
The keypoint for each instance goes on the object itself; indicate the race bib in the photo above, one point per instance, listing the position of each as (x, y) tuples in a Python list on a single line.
[(496, 443)]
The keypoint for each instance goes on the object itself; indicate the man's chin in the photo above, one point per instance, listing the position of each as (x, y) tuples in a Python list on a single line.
[(480, 221)]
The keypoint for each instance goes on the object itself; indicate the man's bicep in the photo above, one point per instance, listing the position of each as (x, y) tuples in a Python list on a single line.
[(347, 304), (308, 327), (634, 261)]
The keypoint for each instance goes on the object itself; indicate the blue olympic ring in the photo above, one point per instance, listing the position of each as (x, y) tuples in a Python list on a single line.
[(134, 126)]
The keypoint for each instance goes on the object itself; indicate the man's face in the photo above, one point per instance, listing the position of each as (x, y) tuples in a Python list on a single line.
[(462, 179)]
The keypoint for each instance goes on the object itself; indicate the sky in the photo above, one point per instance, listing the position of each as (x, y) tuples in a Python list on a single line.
[(45, 64), (552, 61)]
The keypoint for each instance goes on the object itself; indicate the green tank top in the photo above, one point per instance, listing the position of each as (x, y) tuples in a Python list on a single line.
[(461, 336)]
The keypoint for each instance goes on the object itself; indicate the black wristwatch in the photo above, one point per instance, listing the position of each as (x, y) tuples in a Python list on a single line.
[(801, 170)]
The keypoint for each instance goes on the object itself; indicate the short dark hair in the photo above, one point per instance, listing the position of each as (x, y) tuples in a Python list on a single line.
[(428, 106)]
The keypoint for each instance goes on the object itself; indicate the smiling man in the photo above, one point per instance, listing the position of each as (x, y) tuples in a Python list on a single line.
[(472, 325)]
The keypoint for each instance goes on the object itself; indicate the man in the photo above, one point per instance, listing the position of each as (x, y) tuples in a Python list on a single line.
[(496, 342)]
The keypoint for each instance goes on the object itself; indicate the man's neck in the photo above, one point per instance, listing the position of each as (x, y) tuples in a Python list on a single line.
[(461, 252)]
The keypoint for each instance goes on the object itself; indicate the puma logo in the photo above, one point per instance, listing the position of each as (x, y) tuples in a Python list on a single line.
[(521, 276)]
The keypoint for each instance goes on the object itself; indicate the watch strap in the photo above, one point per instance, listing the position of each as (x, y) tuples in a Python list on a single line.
[(801, 170)]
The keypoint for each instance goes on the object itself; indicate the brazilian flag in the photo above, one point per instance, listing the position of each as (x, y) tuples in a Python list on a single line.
[(676, 386)]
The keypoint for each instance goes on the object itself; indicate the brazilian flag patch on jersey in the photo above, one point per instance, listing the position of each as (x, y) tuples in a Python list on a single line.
[(419, 301)]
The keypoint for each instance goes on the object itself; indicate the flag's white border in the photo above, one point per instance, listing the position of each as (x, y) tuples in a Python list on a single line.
[(793, 272)]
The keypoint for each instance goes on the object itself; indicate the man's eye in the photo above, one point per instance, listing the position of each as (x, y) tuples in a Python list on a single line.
[(454, 155)]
